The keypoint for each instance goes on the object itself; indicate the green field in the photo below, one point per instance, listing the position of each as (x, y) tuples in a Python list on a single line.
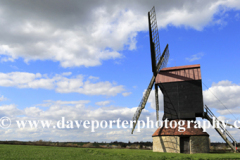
[(68, 153)]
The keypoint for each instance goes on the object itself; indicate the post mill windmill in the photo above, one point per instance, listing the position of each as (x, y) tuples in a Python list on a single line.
[(159, 61), (183, 100)]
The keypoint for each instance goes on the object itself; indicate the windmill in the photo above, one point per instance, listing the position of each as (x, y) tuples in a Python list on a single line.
[(183, 101), (159, 61)]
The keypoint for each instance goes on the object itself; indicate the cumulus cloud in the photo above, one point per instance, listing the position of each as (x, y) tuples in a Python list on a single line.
[(225, 91), (71, 110), (79, 110), (60, 83), (10, 110), (85, 33)]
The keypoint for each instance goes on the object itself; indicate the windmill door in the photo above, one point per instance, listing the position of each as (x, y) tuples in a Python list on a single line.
[(184, 145)]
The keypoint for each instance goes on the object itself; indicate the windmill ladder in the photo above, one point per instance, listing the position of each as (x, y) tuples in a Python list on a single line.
[(222, 131)]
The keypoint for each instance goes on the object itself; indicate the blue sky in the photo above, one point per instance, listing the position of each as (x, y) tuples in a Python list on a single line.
[(91, 60)]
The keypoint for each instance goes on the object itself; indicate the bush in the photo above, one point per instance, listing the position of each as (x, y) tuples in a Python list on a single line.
[(88, 145)]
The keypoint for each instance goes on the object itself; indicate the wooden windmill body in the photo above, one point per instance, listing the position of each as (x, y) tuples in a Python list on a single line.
[(183, 101)]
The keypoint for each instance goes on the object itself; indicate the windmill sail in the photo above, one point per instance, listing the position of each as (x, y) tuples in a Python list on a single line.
[(161, 64), (158, 62), (154, 40), (155, 50)]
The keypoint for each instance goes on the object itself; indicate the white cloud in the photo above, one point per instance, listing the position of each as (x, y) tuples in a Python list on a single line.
[(85, 33), (195, 57), (10, 111), (2, 98), (151, 99), (225, 83), (126, 94), (59, 83), (225, 91), (79, 110), (72, 110), (221, 118), (102, 103), (230, 111)]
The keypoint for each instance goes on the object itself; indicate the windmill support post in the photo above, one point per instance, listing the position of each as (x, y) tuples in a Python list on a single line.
[(157, 104)]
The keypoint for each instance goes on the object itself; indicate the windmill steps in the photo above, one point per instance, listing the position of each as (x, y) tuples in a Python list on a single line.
[(223, 132)]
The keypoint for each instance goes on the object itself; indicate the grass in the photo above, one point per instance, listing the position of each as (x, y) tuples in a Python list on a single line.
[(48, 152)]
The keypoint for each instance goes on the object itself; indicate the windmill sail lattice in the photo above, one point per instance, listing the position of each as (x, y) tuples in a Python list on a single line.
[(154, 39), (161, 64)]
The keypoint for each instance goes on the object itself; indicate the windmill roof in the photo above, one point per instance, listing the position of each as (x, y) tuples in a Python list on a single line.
[(181, 67), (180, 73), (191, 131)]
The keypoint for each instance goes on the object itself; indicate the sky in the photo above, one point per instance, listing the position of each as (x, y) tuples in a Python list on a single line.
[(90, 60)]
